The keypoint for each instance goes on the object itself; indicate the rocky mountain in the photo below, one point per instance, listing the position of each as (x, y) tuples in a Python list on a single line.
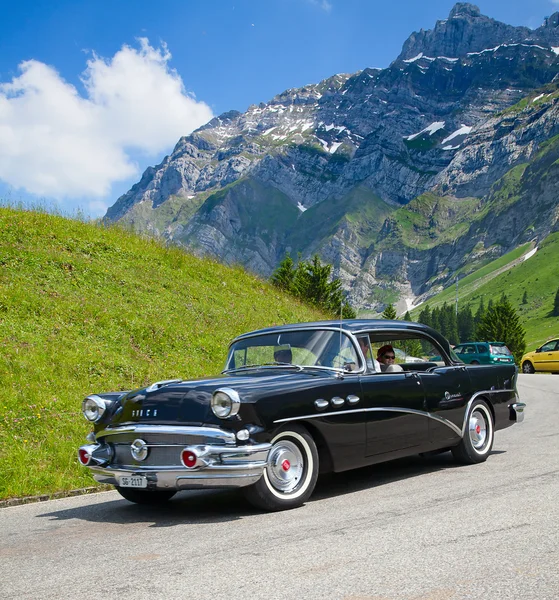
[(401, 177)]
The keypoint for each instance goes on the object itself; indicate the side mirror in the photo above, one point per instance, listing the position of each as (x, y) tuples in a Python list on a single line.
[(538, 349)]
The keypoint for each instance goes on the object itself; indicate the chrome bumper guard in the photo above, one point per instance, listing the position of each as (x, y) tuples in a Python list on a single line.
[(216, 466), (517, 412)]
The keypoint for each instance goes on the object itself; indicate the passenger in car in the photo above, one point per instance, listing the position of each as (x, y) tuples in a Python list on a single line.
[(386, 358)]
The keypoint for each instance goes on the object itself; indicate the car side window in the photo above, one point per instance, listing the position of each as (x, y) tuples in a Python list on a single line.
[(404, 352), (482, 349), (549, 347)]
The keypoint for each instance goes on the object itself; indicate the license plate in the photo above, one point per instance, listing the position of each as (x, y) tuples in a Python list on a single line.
[(133, 481)]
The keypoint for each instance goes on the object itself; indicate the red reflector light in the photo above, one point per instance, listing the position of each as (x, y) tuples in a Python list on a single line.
[(188, 458), (84, 456)]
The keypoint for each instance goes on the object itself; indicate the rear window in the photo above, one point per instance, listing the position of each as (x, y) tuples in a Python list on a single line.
[(499, 349)]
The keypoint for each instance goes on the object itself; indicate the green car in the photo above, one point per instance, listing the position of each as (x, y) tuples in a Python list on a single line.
[(484, 353)]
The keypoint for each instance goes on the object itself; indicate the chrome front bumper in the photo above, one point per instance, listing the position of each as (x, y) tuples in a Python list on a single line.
[(223, 464)]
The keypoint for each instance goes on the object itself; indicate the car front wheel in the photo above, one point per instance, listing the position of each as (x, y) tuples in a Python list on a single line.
[(478, 437), (527, 367), (290, 476), (145, 496)]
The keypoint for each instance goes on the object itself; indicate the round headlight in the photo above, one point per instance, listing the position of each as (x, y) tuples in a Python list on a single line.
[(93, 408), (225, 403)]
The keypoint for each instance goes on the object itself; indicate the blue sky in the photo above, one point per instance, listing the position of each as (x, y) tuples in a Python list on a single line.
[(93, 91)]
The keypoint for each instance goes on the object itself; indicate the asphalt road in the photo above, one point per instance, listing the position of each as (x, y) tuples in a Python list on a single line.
[(414, 529)]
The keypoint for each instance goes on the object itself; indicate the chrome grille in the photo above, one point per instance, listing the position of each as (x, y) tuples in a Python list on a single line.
[(164, 448), (163, 456)]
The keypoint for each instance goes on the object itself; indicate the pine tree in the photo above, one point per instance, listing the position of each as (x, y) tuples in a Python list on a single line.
[(466, 324), (479, 315), (389, 312), (447, 323), (525, 297), (501, 324), (407, 316), (556, 304), (425, 317), (310, 281), (436, 319), (283, 276)]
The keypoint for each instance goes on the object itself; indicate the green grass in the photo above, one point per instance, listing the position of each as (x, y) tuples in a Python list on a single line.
[(361, 208), (86, 309), (430, 220), (467, 285), (538, 277)]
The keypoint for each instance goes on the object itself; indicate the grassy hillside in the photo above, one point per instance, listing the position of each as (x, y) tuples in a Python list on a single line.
[(87, 309), (538, 276)]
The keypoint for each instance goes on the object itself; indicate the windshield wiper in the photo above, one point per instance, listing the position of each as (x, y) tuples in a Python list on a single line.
[(264, 365)]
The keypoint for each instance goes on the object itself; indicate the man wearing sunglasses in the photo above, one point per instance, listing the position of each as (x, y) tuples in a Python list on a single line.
[(386, 358)]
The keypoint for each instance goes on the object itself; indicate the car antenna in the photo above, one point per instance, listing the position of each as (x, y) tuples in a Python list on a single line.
[(341, 319)]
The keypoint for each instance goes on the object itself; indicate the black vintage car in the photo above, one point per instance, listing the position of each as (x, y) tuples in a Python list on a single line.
[(295, 401)]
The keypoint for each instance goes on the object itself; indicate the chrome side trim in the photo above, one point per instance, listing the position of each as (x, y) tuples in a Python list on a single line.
[(411, 411), (459, 431), (337, 401), (227, 437), (446, 422)]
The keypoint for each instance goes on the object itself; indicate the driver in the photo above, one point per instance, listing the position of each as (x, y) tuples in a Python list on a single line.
[(386, 357)]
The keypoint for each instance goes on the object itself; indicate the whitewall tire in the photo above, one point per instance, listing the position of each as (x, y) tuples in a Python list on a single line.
[(478, 436), (291, 474)]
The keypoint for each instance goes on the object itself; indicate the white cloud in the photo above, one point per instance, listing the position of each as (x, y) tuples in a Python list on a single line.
[(325, 5), (57, 143)]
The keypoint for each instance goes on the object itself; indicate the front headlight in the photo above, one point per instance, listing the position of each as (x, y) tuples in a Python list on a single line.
[(93, 408), (225, 403)]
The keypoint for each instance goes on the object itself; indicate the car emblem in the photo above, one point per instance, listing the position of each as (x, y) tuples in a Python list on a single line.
[(139, 450)]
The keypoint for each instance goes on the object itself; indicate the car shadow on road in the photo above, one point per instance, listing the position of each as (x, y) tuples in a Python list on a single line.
[(335, 484), (220, 506)]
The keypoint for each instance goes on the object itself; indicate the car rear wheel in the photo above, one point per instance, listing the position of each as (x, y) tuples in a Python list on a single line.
[(475, 362), (290, 476), (145, 496), (527, 367), (478, 437)]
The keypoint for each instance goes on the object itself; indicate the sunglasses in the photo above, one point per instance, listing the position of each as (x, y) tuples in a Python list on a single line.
[(389, 356)]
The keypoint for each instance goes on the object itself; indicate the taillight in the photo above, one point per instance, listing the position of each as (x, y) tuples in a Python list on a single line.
[(84, 456), (188, 458)]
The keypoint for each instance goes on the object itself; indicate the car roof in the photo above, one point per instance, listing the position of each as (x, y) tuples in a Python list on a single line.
[(350, 325)]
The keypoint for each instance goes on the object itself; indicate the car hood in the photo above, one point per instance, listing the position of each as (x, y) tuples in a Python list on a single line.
[(188, 402)]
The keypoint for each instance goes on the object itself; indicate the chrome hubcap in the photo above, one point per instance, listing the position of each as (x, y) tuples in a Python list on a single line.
[(478, 430), (285, 466)]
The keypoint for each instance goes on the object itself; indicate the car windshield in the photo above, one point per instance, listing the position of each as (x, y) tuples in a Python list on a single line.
[(499, 349), (316, 348)]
